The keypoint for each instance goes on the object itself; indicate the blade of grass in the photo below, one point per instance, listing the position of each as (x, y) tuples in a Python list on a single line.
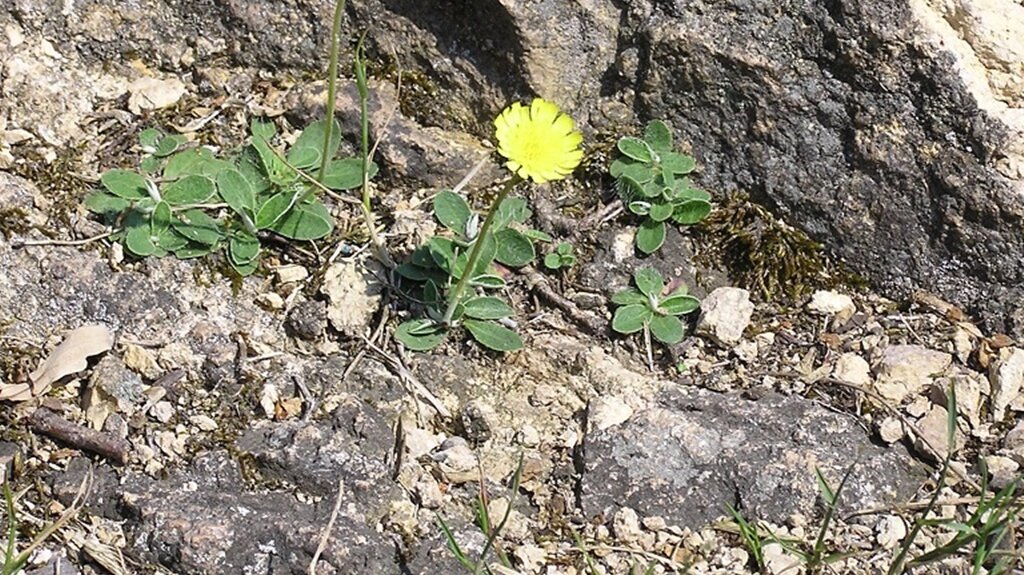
[(332, 84), (493, 535)]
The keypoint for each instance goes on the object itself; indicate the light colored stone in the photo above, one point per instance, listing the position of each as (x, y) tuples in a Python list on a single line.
[(419, 442), (203, 422), (963, 344), (457, 462), (1007, 378), (933, 427), (140, 360), (531, 557), (746, 351), (291, 273), (353, 294), (970, 387), (626, 525), (890, 531), (1002, 470), (528, 436), (607, 411), (852, 368), (725, 314), (778, 561), (428, 492), (832, 303), (517, 527), (890, 430), (905, 370), (269, 397), (270, 301), (162, 411), (149, 93)]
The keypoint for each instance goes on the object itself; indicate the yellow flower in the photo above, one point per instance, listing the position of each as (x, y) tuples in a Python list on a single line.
[(540, 142)]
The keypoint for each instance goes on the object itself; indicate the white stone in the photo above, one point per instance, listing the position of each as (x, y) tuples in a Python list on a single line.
[(203, 422), (1007, 378), (154, 93), (746, 351), (163, 411), (291, 273), (419, 442), (528, 436), (907, 369), (428, 492), (933, 427), (269, 397), (852, 368), (531, 557), (353, 294), (1002, 470), (890, 531), (270, 301), (890, 430), (626, 525), (725, 314), (963, 344), (832, 303), (607, 411), (778, 561)]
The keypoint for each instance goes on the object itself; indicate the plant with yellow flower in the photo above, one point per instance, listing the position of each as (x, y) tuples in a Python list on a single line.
[(539, 143)]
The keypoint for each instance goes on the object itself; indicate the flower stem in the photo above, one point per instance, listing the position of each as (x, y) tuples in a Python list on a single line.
[(332, 82), (456, 294)]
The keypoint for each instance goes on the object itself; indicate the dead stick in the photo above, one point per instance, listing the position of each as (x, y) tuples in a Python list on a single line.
[(539, 284), (49, 423)]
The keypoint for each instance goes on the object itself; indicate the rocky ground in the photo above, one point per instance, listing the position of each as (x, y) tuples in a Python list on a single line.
[(272, 425)]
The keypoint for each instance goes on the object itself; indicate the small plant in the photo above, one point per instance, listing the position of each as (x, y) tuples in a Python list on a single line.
[(750, 534), (541, 144), (653, 183), (561, 257), (190, 203), (647, 308)]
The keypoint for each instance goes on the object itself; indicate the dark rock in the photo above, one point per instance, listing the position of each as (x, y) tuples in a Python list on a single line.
[(698, 451), (103, 495), (856, 124), (200, 521), (479, 420), (354, 444), (307, 320), (9, 455)]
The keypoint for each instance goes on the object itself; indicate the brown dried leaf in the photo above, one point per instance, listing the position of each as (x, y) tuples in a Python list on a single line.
[(70, 357)]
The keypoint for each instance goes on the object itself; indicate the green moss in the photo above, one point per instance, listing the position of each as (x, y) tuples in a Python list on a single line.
[(763, 253)]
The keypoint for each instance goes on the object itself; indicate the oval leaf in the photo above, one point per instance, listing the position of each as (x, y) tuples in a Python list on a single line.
[(347, 173), (125, 183), (650, 236), (236, 192), (629, 296), (452, 211), (308, 148), (488, 281), (305, 222), (658, 136), (417, 334), (138, 241), (197, 226), (514, 249), (243, 249), (487, 307), (631, 318), (649, 282), (677, 163), (667, 329), (661, 211), (272, 210), (493, 336), (635, 148), (679, 304), (691, 212), (188, 190), (107, 205), (160, 219)]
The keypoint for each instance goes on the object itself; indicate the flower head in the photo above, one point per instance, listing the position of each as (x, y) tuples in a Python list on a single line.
[(540, 142)]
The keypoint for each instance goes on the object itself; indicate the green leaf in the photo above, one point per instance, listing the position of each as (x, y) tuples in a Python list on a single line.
[(661, 211), (168, 145), (442, 251), (197, 226), (650, 236), (243, 248), (160, 219), (537, 236), (305, 221), (264, 130), (188, 190), (487, 307), (635, 148), (149, 137), (347, 173), (420, 334), (137, 240), (250, 165), (412, 272), (679, 304), (236, 192), (629, 296), (247, 268), (488, 281), (150, 165), (171, 241), (187, 162), (107, 205), (691, 212), (452, 211), (493, 336), (192, 251), (488, 251), (631, 318), (125, 183), (630, 189), (649, 282), (677, 163), (512, 209), (667, 329), (619, 166), (273, 209), (514, 249), (308, 148), (658, 135), (639, 207), (422, 257), (564, 248), (553, 261)]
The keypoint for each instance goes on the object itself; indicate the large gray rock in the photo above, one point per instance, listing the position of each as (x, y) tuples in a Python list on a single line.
[(698, 451)]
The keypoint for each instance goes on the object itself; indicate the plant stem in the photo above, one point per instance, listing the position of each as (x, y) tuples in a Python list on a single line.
[(332, 84), (364, 120), (456, 294)]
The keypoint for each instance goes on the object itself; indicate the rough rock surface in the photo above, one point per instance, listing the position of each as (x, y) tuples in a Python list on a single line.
[(684, 459)]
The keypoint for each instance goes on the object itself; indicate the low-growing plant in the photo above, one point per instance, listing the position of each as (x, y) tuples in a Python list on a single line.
[(188, 202), (456, 267), (653, 183), (648, 307), (561, 257)]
